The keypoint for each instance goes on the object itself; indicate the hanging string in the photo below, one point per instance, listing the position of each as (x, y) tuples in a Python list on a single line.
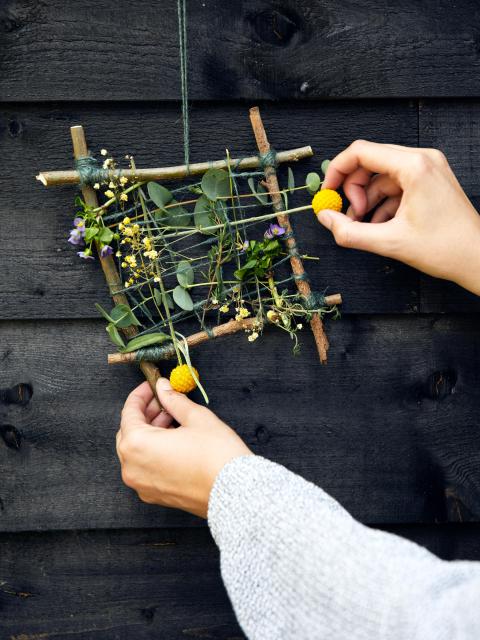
[(182, 41)]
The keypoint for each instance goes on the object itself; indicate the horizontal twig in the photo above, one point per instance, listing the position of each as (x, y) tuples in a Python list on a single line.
[(51, 178), (225, 329)]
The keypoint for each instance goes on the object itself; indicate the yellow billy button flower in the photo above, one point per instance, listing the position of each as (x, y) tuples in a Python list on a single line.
[(182, 380), (326, 199)]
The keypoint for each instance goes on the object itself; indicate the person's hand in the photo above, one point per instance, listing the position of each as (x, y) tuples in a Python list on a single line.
[(423, 217), (167, 466)]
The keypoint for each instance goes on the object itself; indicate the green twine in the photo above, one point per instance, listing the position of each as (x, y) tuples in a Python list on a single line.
[(315, 300), (182, 39), (90, 171), (302, 276), (269, 159), (155, 353)]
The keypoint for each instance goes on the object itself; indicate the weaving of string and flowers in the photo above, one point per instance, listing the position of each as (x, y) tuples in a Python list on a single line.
[(208, 249)]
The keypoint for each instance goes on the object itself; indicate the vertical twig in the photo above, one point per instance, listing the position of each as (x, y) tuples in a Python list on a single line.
[(112, 276), (297, 266)]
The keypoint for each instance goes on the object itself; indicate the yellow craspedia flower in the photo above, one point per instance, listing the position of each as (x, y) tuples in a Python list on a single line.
[(182, 380), (327, 199)]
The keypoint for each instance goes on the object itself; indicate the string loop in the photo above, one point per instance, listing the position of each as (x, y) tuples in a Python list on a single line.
[(90, 170)]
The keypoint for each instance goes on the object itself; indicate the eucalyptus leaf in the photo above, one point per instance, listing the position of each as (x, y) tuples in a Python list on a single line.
[(183, 298), (285, 199), (324, 166), (258, 191), (159, 194), (115, 336), (201, 213), (291, 179), (216, 184), (177, 216), (122, 316), (185, 274), (145, 341), (312, 182), (163, 298)]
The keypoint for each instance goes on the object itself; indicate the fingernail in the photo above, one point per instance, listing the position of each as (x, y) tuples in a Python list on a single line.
[(325, 218), (163, 384)]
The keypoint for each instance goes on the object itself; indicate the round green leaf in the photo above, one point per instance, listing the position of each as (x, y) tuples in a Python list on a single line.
[(183, 298), (324, 166), (312, 182), (201, 213), (163, 298), (216, 184), (177, 216), (159, 194), (185, 274)]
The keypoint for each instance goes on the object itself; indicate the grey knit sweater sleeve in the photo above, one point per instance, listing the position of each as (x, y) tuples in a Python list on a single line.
[(297, 565)]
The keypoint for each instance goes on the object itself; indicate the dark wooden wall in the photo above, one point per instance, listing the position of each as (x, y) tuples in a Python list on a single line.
[(390, 427)]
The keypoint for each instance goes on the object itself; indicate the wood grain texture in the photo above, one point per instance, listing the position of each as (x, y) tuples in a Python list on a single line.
[(453, 127), (64, 50), (389, 427), (142, 584), (53, 282), (117, 585)]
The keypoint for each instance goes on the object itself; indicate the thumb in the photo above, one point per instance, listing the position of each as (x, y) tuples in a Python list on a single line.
[(358, 235), (176, 404)]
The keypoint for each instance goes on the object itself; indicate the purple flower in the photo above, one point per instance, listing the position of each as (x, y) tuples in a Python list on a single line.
[(85, 255), (244, 246), (79, 223), (105, 251), (273, 231), (76, 236)]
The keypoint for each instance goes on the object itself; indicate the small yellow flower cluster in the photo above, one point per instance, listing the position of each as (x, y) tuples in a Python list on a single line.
[(253, 336), (242, 313), (113, 186), (224, 308)]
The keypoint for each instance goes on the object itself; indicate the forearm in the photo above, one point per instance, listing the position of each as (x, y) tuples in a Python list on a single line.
[(296, 565)]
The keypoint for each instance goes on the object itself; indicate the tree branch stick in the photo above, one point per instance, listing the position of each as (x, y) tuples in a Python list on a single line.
[(297, 266), (225, 329), (51, 178), (112, 277)]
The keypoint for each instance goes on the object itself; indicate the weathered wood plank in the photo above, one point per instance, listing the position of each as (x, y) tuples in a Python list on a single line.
[(142, 584), (61, 50), (389, 427), (453, 127), (39, 262), (113, 586)]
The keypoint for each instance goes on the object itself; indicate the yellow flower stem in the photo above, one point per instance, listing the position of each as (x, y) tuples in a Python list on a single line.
[(273, 289), (162, 289)]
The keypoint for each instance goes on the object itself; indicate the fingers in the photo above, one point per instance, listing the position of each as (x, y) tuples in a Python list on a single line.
[(387, 210), (380, 187), (135, 407), (181, 408), (371, 156), (376, 238), (354, 188)]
